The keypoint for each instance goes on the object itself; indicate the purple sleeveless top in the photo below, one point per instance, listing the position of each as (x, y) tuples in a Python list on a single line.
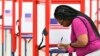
[(78, 28)]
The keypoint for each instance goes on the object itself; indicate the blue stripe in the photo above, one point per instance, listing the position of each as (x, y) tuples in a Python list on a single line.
[(53, 21), (7, 11), (28, 15)]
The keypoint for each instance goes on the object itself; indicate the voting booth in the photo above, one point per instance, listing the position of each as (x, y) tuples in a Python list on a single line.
[(56, 31), (7, 18), (25, 28)]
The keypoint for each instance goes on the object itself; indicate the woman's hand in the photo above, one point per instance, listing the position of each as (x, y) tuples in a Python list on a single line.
[(63, 46)]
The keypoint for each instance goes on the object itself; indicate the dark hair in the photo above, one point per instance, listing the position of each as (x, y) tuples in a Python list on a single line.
[(68, 13)]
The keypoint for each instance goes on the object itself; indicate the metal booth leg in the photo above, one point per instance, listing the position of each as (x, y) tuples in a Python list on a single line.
[(12, 53), (25, 47), (50, 54)]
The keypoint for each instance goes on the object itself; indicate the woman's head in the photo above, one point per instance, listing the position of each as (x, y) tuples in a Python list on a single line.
[(65, 14), (64, 23)]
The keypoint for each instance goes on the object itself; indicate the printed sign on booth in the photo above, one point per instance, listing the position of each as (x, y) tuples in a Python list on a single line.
[(28, 17)]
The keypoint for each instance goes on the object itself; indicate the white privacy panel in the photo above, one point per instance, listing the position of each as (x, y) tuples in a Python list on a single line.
[(57, 34), (94, 10), (56, 30), (16, 17), (26, 19), (87, 7), (7, 44), (8, 13), (40, 22), (1, 8)]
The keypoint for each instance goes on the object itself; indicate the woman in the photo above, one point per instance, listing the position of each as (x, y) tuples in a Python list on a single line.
[(85, 38)]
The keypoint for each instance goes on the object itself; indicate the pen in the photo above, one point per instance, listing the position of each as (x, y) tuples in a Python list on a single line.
[(61, 39)]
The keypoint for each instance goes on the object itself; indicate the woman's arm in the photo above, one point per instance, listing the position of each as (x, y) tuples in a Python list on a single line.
[(82, 41)]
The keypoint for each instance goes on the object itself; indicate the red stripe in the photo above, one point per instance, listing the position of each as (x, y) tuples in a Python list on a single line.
[(82, 3), (3, 4), (13, 28), (91, 8), (47, 18), (35, 47), (97, 14), (20, 16)]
